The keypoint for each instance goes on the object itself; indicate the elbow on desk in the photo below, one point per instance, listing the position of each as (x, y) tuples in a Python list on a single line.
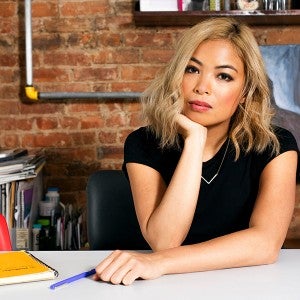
[(163, 246), (271, 258), (158, 245), (268, 253)]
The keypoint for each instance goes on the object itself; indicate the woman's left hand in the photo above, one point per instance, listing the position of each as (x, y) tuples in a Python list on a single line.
[(125, 267)]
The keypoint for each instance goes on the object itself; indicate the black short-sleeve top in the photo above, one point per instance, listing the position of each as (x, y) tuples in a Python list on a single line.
[(225, 205)]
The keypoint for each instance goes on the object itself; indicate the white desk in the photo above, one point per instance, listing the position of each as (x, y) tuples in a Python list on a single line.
[(277, 281)]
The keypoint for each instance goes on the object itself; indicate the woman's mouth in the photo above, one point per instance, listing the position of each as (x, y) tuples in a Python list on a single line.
[(199, 106)]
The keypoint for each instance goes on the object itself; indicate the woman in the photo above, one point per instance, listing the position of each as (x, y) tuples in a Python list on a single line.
[(213, 181)]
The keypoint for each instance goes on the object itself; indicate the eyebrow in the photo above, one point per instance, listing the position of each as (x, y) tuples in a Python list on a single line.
[(218, 67)]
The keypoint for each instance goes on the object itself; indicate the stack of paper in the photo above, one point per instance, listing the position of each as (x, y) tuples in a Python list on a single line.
[(20, 193), (23, 167)]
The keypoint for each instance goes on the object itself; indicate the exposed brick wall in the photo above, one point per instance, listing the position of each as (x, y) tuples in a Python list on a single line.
[(84, 46)]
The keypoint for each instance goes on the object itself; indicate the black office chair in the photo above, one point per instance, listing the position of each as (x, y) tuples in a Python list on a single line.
[(111, 219)]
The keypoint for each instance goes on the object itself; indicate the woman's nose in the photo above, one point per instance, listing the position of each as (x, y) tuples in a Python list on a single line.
[(202, 86)]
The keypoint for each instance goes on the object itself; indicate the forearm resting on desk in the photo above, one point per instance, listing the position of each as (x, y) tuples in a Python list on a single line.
[(239, 249), (244, 248)]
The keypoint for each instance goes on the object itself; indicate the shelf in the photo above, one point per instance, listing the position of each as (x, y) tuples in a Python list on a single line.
[(189, 18)]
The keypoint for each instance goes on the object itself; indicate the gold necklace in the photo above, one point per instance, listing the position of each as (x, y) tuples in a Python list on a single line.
[(212, 179)]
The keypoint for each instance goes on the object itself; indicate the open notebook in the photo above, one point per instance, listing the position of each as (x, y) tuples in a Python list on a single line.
[(22, 266)]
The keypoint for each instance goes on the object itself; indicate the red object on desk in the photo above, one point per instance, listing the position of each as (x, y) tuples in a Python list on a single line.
[(5, 243)]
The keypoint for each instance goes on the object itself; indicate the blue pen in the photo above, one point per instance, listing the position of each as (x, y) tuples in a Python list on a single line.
[(72, 279)]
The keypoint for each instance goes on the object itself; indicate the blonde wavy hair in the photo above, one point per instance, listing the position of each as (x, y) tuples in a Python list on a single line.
[(250, 127)]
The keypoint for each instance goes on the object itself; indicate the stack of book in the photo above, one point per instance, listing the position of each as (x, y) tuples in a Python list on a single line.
[(20, 192)]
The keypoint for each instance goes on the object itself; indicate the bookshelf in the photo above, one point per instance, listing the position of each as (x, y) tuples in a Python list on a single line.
[(189, 18)]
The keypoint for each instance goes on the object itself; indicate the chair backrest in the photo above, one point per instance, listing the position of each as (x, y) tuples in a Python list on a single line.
[(111, 219), (5, 243)]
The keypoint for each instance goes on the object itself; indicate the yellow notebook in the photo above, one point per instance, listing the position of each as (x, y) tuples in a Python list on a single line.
[(22, 266)]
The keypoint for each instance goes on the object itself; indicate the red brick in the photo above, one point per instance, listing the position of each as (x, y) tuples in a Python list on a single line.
[(7, 60), (105, 73), (91, 122), (67, 59), (102, 57), (51, 74), (109, 39), (40, 107), (157, 56), (46, 123), (24, 124), (143, 73), (8, 26), (8, 91), (118, 56), (69, 122), (11, 141), (124, 133), (83, 139), (285, 35), (150, 39), (85, 107), (130, 86), (84, 8), (82, 155), (89, 138), (9, 75), (123, 7), (47, 140), (107, 137), (125, 56), (6, 124), (63, 87), (7, 9), (9, 108), (133, 106), (66, 26), (116, 120), (121, 21), (47, 42), (136, 120), (43, 9), (112, 152)]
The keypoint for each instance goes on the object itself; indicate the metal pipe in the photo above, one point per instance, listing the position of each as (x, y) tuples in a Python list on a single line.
[(28, 42), (87, 95), (33, 94)]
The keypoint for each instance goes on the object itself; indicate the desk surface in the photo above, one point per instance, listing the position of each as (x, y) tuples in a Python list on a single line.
[(277, 281)]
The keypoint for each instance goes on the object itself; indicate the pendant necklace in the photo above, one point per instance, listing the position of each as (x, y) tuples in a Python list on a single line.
[(212, 179)]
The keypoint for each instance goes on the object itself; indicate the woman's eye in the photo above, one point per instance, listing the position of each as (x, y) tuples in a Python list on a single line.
[(224, 76), (191, 69)]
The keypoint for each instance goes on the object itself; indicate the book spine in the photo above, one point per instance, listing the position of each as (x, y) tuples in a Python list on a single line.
[(215, 5), (180, 5)]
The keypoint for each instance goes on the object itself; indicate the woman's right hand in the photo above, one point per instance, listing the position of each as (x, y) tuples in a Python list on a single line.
[(188, 128), (123, 267)]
